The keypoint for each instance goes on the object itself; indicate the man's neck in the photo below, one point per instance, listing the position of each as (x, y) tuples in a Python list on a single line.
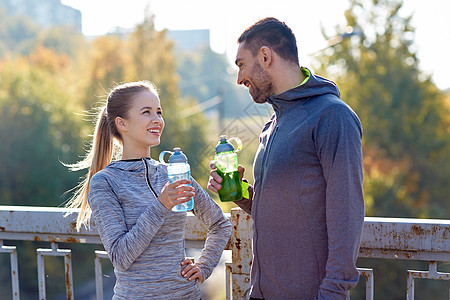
[(288, 78)]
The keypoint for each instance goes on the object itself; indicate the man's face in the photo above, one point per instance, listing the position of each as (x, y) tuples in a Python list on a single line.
[(252, 75)]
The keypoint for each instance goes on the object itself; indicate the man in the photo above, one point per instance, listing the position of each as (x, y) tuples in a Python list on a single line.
[(307, 202)]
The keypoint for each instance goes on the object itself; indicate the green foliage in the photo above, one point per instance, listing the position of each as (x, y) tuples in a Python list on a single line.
[(63, 40), (37, 132)]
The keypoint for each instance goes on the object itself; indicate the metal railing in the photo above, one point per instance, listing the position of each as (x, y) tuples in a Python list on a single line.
[(411, 239)]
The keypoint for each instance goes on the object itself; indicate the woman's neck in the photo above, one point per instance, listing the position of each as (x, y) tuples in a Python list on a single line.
[(133, 154)]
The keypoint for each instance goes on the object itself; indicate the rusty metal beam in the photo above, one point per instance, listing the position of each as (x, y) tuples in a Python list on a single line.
[(412, 239)]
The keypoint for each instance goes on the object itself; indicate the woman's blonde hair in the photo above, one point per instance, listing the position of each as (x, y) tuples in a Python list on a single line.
[(103, 147)]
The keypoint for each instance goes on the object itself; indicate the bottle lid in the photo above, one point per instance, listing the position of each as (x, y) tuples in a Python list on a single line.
[(223, 145), (177, 156)]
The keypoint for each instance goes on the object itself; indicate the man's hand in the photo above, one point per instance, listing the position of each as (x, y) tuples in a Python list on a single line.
[(215, 180)]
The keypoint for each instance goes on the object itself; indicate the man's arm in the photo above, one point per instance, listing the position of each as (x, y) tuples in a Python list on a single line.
[(339, 144)]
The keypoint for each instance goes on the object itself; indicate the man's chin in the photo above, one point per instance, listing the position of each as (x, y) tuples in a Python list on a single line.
[(259, 100)]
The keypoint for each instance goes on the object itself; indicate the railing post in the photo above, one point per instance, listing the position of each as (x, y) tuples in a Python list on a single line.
[(432, 273), (99, 254), (241, 246), (54, 251), (368, 274), (14, 268)]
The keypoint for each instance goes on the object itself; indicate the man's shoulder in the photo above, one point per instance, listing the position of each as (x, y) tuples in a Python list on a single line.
[(330, 103)]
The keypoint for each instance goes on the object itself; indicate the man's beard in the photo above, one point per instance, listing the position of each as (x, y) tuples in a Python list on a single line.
[(261, 83)]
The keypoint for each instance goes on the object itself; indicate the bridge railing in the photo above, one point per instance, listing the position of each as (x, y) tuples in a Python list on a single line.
[(384, 238)]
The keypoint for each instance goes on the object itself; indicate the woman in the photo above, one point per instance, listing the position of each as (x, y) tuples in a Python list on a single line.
[(131, 200)]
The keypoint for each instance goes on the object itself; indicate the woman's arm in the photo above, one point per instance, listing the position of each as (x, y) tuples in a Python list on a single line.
[(219, 229)]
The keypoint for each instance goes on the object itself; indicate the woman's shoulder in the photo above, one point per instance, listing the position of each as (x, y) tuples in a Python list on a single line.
[(104, 175)]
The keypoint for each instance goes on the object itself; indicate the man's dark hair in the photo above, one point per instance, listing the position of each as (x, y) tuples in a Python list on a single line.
[(274, 34)]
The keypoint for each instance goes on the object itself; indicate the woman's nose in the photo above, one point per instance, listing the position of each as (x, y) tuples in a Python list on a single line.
[(158, 119)]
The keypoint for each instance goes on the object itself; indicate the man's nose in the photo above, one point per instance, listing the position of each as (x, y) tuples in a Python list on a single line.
[(240, 79)]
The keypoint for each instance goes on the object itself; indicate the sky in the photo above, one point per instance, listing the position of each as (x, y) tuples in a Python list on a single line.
[(226, 20)]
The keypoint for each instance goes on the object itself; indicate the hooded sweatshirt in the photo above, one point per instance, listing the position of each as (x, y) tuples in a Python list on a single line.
[(308, 206), (143, 239)]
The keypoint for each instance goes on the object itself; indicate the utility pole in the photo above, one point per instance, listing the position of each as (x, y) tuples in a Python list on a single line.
[(221, 110), (349, 32)]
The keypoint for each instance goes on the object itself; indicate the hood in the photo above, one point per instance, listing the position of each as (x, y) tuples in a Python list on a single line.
[(136, 165), (315, 86)]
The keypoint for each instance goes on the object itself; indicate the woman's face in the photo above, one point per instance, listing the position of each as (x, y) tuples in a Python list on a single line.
[(144, 124)]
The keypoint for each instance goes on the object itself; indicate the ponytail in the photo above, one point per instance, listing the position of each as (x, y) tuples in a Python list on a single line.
[(99, 156)]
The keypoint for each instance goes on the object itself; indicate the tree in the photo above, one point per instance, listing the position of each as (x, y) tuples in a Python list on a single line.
[(38, 131), (108, 65)]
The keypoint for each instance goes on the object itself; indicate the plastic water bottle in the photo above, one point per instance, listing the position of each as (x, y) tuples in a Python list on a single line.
[(226, 162), (178, 168)]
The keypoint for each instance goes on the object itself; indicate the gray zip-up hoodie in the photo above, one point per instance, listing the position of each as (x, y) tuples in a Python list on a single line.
[(144, 240), (308, 206)]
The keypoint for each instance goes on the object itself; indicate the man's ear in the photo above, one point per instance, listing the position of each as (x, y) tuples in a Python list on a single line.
[(266, 56), (121, 124)]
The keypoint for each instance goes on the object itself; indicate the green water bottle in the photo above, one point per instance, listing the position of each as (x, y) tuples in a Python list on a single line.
[(226, 162)]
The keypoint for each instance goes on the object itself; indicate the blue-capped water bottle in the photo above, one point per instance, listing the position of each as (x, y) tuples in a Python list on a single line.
[(178, 168)]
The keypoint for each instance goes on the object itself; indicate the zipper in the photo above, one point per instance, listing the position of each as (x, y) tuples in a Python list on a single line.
[(147, 179), (266, 151)]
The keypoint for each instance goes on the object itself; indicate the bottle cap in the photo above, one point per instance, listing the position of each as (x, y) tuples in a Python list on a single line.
[(223, 145), (177, 156)]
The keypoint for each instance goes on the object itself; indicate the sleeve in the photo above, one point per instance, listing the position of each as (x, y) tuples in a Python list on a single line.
[(122, 245), (219, 229), (339, 149), (246, 204)]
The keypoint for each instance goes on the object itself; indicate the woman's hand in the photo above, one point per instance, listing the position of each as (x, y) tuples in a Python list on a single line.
[(176, 193), (191, 271)]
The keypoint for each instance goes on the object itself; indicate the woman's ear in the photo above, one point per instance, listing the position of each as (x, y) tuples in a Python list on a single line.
[(121, 124)]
